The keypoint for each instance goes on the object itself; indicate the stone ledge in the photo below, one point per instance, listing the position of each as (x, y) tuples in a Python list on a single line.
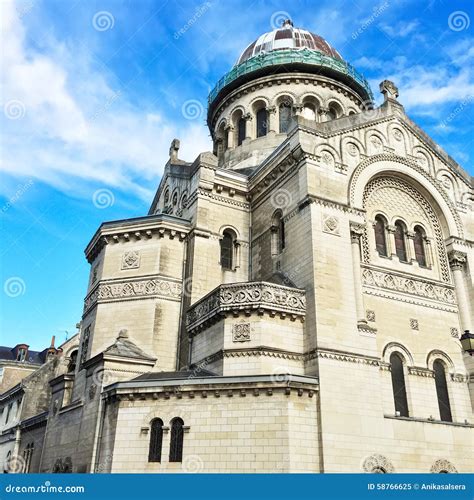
[(428, 421)]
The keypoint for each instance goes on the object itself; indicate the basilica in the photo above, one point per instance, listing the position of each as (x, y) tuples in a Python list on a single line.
[(300, 299)]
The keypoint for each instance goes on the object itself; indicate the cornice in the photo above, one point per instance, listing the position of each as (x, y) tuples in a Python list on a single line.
[(136, 229)]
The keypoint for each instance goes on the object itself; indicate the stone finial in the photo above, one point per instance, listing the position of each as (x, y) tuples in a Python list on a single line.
[(123, 334), (174, 148), (389, 90)]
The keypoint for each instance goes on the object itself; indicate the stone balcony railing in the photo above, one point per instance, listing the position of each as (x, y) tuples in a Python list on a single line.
[(246, 297)]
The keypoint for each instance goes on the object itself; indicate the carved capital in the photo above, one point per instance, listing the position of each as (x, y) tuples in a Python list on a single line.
[(357, 231), (248, 117), (272, 109), (457, 259)]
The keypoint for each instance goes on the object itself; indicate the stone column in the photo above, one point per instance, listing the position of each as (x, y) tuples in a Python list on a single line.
[(272, 119), (248, 125), (410, 245), (357, 230), (391, 248), (323, 114), (230, 136), (457, 262)]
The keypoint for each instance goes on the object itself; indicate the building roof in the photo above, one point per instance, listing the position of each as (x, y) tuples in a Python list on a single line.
[(10, 354), (181, 375), (288, 37), (124, 347)]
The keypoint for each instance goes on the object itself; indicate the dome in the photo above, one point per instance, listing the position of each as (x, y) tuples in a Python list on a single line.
[(288, 37)]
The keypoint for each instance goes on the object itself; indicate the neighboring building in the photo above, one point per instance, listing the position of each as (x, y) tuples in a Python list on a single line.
[(18, 362), (24, 408), (293, 301)]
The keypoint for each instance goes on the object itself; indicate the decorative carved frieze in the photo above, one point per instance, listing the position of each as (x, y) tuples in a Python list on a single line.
[(246, 297), (377, 463), (131, 260), (331, 224), (241, 332), (117, 290), (376, 278), (459, 377), (420, 372), (414, 325), (443, 465)]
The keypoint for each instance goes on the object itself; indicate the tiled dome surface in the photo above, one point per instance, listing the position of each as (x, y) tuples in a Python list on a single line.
[(288, 37)]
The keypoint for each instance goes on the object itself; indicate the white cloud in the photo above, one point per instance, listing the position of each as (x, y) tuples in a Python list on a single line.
[(401, 29), (75, 125)]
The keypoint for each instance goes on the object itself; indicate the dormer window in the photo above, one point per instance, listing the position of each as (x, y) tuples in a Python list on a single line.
[(21, 354)]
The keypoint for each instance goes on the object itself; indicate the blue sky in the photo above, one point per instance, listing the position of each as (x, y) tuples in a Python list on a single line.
[(93, 91)]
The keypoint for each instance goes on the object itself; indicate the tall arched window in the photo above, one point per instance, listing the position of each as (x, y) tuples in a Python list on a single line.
[(380, 235), (240, 131), (284, 112), (419, 243), (442, 391), (177, 436), (27, 455), (156, 440), (262, 122), (227, 250), (398, 385), (309, 112), (71, 368), (278, 233), (400, 244)]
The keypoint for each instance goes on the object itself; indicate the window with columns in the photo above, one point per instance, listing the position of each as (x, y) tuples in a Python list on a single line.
[(262, 122), (381, 235), (398, 384), (400, 241), (156, 440), (177, 438), (284, 116), (228, 250), (442, 391), (419, 245)]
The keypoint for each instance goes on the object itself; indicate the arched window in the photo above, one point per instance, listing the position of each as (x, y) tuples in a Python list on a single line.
[(278, 233), (6, 464), (262, 122), (227, 250), (334, 111), (156, 440), (71, 368), (419, 243), (309, 112), (284, 112), (442, 391), (240, 131), (380, 235), (27, 456), (400, 244), (177, 436), (398, 385)]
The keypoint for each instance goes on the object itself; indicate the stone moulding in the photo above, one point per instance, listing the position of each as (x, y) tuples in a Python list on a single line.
[(434, 291), (235, 297), (130, 289)]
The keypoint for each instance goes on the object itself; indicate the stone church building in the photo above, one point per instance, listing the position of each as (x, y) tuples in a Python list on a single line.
[(294, 301)]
